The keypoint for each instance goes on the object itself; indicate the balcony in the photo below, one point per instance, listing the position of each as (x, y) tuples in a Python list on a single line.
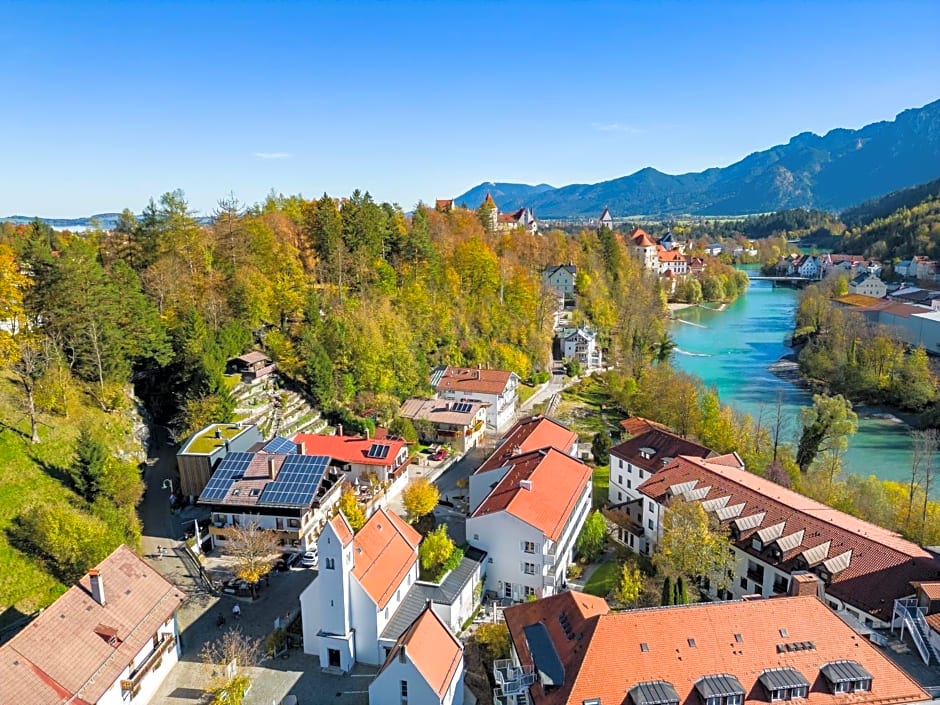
[(512, 679), (152, 663)]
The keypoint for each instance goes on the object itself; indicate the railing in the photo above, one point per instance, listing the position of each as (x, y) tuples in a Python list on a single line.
[(151, 663), (512, 679), (912, 616)]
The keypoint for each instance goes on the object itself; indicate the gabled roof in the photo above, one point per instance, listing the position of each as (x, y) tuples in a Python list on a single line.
[(635, 425), (694, 648), (569, 268), (654, 448), (433, 650), (530, 433), (470, 380), (670, 255), (640, 238), (250, 358), (488, 201), (541, 488), (880, 568), (605, 216), (384, 550), (342, 528), (78, 647), (351, 449)]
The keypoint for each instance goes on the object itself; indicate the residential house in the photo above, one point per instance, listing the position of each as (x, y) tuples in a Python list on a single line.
[(531, 514), (632, 463), (361, 459), (284, 492), (111, 638), (425, 667), (671, 241), (672, 261), (713, 249), (635, 425), (868, 285), (252, 365), (529, 433), (918, 267), (561, 278), (570, 649), (444, 205), (643, 249), (580, 344), (205, 449), (606, 220), (367, 591), (496, 388), (807, 266), (460, 424), (696, 266), (522, 218), (777, 532)]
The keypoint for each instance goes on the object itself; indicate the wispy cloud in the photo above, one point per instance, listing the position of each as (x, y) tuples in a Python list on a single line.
[(272, 155), (616, 127)]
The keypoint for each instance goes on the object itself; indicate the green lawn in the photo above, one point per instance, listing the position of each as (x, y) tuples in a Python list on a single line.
[(603, 580), (524, 391), (601, 481), (30, 475)]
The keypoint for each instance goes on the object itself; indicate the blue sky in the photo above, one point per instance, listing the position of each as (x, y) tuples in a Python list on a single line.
[(107, 104)]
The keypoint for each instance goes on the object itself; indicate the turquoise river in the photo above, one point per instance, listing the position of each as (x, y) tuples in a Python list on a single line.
[(732, 349)]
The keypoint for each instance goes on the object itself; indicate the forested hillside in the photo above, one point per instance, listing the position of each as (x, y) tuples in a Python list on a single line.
[(354, 300)]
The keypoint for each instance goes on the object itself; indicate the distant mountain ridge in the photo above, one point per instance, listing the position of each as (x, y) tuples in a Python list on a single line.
[(104, 220), (831, 172)]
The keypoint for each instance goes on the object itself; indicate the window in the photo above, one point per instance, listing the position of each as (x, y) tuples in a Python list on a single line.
[(757, 543), (650, 523), (293, 523), (330, 564), (279, 523), (800, 691), (528, 546), (401, 659), (735, 699), (529, 591), (649, 502), (528, 568), (629, 484), (619, 496), (860, 685), (744, 583), (842, 687), (619, 479), (404, 693), (507, 590), (476, 537)]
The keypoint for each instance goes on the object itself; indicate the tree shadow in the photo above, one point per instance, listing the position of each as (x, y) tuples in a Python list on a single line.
[(4, 426), (56, 472)]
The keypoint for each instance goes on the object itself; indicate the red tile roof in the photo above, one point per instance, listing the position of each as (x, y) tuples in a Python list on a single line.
[(432, 648), (65, 651), (342, 528), (933, 621), (530, 433), (555, 482), (881, 563), (611, 653), (930, 590), (654, 448), (635, 425), (470, 380), (640, 238), (348, 449), (384, 550)]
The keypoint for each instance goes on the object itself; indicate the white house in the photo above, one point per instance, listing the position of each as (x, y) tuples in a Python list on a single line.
[(861, 568), (531, 512), (643, 249), (111, 638), (522, 218), (807, 266), (367, 591), (496, 388), (360, 458), (529, 433), (672, 261), (580, 344), (424, 667), (606, 220), (868, 285), (561, 278)]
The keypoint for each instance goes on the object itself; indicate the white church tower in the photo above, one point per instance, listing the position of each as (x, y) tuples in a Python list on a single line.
[(337, 644)]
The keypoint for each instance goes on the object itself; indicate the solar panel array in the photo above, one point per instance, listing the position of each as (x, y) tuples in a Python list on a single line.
[(279, 444), (378, 451), (462, 407), (297, 481), (231, 468)]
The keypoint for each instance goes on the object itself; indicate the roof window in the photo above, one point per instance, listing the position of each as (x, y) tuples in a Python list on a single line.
[(653, 693), (846, 676)]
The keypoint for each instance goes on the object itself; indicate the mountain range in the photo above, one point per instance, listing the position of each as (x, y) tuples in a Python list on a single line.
[(830, 172)]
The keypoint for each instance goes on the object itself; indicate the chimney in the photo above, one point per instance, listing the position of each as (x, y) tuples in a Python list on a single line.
[(302, 447), (368, 433), (272, 467), (526, 484), (218, 432), (339, 429), (803, 583), (97, 586)]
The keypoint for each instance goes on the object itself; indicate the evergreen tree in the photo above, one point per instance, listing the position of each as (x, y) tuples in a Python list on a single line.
[(681, 594), (88, 468), (668, 596)]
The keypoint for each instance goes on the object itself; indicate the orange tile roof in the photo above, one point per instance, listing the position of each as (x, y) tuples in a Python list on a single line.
[(348, 449), (530, 433), (471, 380), (342, 528), (931, 589), (640, 238), (384, 550), (933, 621), (882, 563), (670, 255), (635, 425), (432, 648), (65, 651), (613, 652), (557, 483)]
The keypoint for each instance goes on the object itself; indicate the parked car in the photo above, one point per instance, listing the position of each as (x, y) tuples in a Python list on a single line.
[(310, 559), (439, 454), (287, 559)]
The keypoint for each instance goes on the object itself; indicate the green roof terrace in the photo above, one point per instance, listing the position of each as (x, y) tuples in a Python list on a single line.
[(211, 438)]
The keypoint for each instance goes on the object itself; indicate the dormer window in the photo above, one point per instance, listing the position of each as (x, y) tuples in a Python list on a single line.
[(825, 576), (653, 693), (846, 677), (735, 533), (757, 544), (784, 684), (720, 689)]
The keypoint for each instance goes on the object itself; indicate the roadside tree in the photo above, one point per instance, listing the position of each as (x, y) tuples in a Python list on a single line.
[(693, 545), (253, 549), (420, 497), (225, 664)]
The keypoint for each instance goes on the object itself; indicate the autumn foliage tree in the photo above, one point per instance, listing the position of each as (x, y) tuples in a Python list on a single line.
[(420, 497), (693, 544), (351, 508), (253, 549)]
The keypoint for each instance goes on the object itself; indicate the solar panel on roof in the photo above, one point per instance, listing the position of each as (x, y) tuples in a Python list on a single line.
[(297, 481), (378, 451), (462, 407), (278, 444), (231, 468)]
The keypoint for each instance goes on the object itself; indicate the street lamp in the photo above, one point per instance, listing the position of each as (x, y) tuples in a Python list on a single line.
[(168, 481)]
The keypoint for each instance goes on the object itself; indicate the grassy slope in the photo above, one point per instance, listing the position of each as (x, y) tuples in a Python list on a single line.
[(32, 474), (603, 579)]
